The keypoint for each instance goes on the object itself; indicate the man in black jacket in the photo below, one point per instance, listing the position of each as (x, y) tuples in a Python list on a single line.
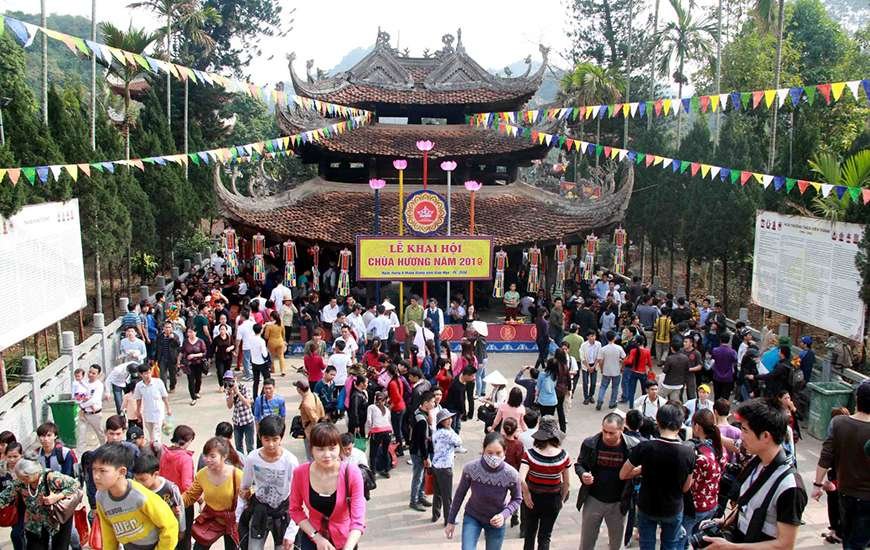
[(455, 401), (421, 449), (601, 490), (777, 379)]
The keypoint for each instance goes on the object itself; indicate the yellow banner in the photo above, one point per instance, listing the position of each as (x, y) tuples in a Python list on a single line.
[(393, 258)]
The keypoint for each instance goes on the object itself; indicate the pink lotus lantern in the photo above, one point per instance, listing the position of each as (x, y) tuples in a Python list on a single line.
[(400, 164), (472, 185), (376, 183), (425, 145), (448, 165)]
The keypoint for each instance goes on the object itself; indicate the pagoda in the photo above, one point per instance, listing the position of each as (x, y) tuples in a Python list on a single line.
[(418, 98)]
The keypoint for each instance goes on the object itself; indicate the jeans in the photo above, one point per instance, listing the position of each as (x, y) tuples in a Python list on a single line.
[(543, 353), (539, 520), (396, 421), (479, 384), (612, 381), (442, 496), (471, 529), (246, 364), (118, 395), (623, 386), (457, 422), (379, 456), (855, 522), (469, 397), (590, 380), (691, 523), (263, 371), (416, 478), (342, 394), (672, 528), (633, 379), (244, 434), (560, 411)]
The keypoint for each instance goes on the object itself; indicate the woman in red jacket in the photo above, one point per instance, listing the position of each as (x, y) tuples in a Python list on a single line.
[(176, 465), (640, 362), (396, 394)]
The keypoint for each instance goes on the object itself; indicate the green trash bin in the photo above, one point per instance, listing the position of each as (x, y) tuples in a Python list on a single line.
[(65, 411), (825, 396)]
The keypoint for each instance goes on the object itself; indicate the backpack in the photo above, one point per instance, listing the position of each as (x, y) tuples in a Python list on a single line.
[(296, 429), (796, 380), (369, 481)]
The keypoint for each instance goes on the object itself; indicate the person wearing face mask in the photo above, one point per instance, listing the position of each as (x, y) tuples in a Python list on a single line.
[(489, 480), (327, 499)]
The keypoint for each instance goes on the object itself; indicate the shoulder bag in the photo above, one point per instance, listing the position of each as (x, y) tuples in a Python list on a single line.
[(62, 511), (206, 528)]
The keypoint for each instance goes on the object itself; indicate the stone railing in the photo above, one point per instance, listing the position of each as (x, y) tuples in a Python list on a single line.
[(24, 407)]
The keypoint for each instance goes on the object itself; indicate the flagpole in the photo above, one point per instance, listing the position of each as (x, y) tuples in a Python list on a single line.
[(448, 166), (400, 165)]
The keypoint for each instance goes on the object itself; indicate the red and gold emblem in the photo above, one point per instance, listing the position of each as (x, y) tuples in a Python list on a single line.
[(425, 212)]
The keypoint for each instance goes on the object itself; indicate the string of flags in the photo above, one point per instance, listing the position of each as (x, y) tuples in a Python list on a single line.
[(25, 33), (858, 195), (270, 148), (734, 101)]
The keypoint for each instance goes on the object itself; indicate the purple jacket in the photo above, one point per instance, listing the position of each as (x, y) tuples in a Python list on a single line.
[(724, 361), (489, 487)]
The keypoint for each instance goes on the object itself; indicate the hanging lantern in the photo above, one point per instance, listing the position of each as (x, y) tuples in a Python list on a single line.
[(290, 264), (534, 255), (589, 259), (314, 251), (344, 260), (561, 267), (620, 238), (230, 245), (501, 262), (258, 247)]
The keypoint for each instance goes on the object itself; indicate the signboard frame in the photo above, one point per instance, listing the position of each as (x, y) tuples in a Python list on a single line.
[(359, 258)]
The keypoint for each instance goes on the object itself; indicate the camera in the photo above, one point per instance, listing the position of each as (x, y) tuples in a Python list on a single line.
[(709, 528)]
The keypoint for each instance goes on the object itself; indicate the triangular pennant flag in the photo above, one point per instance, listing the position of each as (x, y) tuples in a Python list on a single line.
[(42, 172), (810, 92), (853, 88), (675, 165), (657, 160), (658, 106), (736, 100), (826, 188), (865, 195), (684, 165), (781, 94), (769, 96), (666, 162), (866, 85), (714, 102), (687, 104), (795, 94), (758, 177), (86, 169), (818, 187), (30, 174), (705, 169), (14, 173), (735, 175), (667, 105), (635, 105), (21, 31), (649, 160), (802, 186), (607, 151), (704, 103), (744, 177), (825, 90), (643, 107), (757, 95), (138, 164), (73, 171), (840, 190), (746, 99), (714, 171), (765, 180), (855, 193), (2, 29), (837, 91), (778, 182), (2, 170), (723, 101), (789, 184), (695, 167), (55, 171)]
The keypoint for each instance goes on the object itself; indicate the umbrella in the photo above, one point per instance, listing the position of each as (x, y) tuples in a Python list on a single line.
[(480, 327), (495, 378)]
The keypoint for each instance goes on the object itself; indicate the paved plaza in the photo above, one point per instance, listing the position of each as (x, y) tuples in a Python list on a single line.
[(391, 525)]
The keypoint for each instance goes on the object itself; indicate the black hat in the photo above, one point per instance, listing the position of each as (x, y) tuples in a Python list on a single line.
[(548, 428)]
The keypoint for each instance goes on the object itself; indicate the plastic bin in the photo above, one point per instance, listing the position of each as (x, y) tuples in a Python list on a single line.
[(825, 396), (65, 411)]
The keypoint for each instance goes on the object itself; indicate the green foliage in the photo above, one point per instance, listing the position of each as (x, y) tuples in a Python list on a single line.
[(144, 265), (862, 262), (599, 32), (192, 243), (238, 32)]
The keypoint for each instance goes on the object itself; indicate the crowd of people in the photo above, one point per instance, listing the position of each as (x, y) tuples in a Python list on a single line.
[(701, 453)]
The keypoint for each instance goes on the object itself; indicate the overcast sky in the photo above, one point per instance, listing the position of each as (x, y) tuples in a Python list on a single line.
[(494, 32)]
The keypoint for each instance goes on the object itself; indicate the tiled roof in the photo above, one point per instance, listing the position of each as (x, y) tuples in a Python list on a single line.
[(452, 140), (357, 94), (511, 215)]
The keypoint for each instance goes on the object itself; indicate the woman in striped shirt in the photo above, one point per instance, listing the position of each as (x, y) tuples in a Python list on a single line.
[(544, 482)]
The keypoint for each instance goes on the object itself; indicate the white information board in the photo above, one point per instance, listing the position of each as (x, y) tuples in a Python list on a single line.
[(805, 268), (42, 277)]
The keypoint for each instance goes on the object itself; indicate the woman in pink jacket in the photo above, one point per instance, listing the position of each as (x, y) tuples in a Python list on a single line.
[(176, 465), (327, 498)]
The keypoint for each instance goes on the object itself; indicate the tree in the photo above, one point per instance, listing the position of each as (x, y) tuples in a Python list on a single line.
[(135, 41), (591, 84), (601, 32), (685, 38), (242, 25), (769, 13), (853, 172)]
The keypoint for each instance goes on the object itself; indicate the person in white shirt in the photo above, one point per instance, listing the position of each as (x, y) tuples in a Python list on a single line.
[(531, 419), (611, 357), (244, 340), (340, 360), (390, 312), (132, 347), (370, 313), (117, 381), (278, 295), (90, 409), (379, 326), (329, 313), (589, 359), (649, 404), (350, 343), (266, 481), (744, 345), (702, 402), (356, 320), (152, 404), (351, 454)]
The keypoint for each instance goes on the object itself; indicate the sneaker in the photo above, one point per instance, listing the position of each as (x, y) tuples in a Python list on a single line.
[(409, 462), (598, 406), (192, 402), (417, 506), (612, 406), (462, 450), (425, 502)]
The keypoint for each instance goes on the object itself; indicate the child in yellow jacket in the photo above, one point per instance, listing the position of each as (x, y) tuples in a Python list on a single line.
[(130, 515)]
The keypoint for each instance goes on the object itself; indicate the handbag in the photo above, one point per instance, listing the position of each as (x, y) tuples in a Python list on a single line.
[(428, 482), (206, 530), (95, 541), (360, 442), (9, 514), (62, 511), (80, 523)]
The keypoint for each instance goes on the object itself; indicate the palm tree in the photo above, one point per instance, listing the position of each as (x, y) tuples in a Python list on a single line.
[(767, 12), (652, 62), (135, 41), (590, 84), (167, 9), (853, 172), (685, 38)]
